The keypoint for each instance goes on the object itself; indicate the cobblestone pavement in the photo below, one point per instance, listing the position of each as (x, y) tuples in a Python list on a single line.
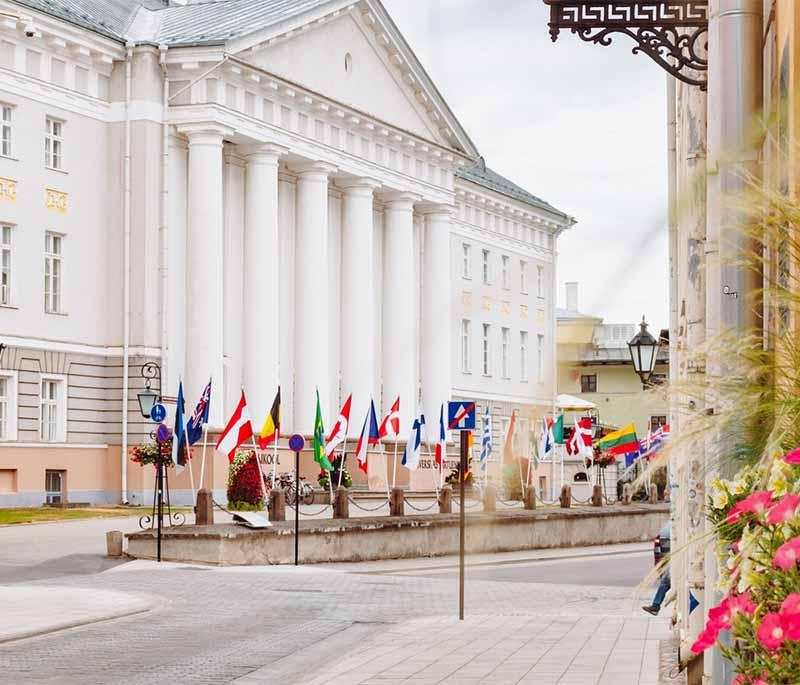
[(315, 625)]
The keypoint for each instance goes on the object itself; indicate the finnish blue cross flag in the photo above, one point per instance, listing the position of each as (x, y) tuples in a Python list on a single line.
[(486, 439), (194, 426), (178, 434)]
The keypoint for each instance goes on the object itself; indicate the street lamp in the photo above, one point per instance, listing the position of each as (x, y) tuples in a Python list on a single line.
[(148, 397), (644, 350)]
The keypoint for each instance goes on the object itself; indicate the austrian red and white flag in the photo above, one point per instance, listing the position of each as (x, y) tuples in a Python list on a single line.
[(369, 436), (580, 442), (391, 421), (339, 431), (238, 431)]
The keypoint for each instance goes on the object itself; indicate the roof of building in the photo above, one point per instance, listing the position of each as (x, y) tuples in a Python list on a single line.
[(486, 177), (574, 314)]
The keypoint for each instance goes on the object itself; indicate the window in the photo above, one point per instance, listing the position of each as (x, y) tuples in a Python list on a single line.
[(589, 382), (486, 273), (54, 144), (54, 482), (52, 273), (657, 421), (540, 358), (6, 130), (523, 276), (466, 255), (8, 406), (542, 487), (523, 355), (486, 350), (5, 264), (465, 335), (504, 341), (52, 416), (540, 281), (505, 274)]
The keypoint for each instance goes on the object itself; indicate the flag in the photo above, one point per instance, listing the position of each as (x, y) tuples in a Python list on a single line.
[(441, 446), (391, 420), (620, 442), (546, 438), (411, 451), (508, 447), (580, 442), (486, 439), (557, 429), (178, 434), (319, 440), (271, 430), (238, 431), (339, 432), (369, 436), (194, 427)]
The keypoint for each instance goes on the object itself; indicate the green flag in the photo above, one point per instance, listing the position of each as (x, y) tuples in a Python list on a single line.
[(319, 440), (558, 430)]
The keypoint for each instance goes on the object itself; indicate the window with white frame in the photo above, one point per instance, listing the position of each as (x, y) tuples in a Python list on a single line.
[(6, 263), (465, 351), (486, 350), (52, 272), (54, 143), (505, 335), (523, 276), (523, 355), (504, 271), (540, 281), (6, 130), (540, 358), (8, 406), (52, 410), (466, 257), (486, 270)]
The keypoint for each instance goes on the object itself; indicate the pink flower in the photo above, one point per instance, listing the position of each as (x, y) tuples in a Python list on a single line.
[(706, 639), (784, 511), (793, 457), (791, 605), (756, 503), (792, 626), (742, 603), (722, 616), (787, 554), (772, 631)]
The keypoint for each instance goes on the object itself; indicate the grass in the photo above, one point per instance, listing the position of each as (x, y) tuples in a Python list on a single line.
[(37, 514)]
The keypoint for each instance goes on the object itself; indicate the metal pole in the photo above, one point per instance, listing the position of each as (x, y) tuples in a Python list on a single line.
[(160, 497), (462, 521), (297, 508)]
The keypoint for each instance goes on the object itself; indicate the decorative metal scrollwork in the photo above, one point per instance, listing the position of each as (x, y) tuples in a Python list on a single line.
[(673, 33)]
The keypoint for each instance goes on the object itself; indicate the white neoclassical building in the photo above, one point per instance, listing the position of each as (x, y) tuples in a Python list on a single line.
[(264, 192)]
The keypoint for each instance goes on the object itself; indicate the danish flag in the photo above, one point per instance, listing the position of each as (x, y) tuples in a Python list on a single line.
[(391, 420), (238, 431)]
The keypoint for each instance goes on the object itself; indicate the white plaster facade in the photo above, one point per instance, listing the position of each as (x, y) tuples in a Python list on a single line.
[(285, 204)]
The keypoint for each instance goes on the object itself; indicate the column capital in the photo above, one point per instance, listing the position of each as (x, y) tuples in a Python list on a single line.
[(320, 170), (358, 185), (431, 209), (263, 152), (396, 199), (205, 133)]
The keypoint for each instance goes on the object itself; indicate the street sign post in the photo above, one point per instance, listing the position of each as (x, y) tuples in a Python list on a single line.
[(158, 413), (461, 415), (296, 444)]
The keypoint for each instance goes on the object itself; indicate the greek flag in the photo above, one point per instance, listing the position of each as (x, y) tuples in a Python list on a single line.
[(486, 439)]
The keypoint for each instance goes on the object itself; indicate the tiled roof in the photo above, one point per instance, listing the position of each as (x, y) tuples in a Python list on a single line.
[(484, 176), (108, 17)]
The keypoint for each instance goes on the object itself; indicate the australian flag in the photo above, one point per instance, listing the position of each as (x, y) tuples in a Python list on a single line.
[(194, 426)]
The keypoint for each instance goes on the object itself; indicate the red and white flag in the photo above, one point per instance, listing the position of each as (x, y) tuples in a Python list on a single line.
[(369, 436), (339, 430), (391, 421), (238, 431), (580, 442)]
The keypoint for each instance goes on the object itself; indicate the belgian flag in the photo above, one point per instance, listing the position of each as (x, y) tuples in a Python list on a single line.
[(271, 430)]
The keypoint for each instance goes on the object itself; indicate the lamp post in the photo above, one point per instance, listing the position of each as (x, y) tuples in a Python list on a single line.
[(148, 397), (644, 350)]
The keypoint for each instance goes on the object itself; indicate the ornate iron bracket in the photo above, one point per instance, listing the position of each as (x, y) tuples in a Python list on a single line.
[(673, 33)]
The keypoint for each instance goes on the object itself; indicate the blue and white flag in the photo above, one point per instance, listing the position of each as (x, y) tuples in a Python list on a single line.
[(412, 450), (486, 439), (546, 440), (194, 426), (178, 433)]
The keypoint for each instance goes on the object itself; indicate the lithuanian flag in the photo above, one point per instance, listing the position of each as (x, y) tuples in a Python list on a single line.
[(319, 440), (619, 442), (271, 430)]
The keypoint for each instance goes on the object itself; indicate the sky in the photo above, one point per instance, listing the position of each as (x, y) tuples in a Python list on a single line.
[(580, 125)]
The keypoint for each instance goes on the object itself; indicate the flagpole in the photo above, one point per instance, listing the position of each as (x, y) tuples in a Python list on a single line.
[(189, 464), (261, 472), (394, 465), (275, 457)]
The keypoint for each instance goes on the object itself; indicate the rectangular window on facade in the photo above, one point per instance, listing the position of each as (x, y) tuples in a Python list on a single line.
[(54, 144), (589, 382), (466, 260), (6, 130), (505, 275), (486, 269), (657, 421), (523, 355), (51, 411), (505, 334), (540, 358), (52, 272), (465, 351), (4, 402), (8, 406), (523, 276), (540, 281), (486, 350), (55, 486), (6, 263)]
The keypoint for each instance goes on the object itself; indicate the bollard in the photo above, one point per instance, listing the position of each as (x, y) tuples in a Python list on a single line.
[(529, 500), (566, 497), (446, 500), (626, 493), (341, 503), (114, 543), (204, 508), (397, 505), (490, 498), (653, 494), (277, 505), (597, 496)]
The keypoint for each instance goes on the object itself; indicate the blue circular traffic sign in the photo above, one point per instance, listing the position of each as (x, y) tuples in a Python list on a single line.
[(158, 413), (297, 443), (162, 433)]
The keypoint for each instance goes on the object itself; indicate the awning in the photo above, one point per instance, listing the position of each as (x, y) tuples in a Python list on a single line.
[(571, 403)]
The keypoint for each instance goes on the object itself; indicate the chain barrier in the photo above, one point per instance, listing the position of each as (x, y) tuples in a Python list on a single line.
[(508, 503), (367, 509), (581, 501), (420, 509), (475, 503), (309, 514)]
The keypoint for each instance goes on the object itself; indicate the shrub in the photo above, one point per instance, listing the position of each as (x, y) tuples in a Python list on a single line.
[(245, 489)]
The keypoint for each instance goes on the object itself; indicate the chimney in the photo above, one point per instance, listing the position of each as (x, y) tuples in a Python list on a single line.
[(571, 289)]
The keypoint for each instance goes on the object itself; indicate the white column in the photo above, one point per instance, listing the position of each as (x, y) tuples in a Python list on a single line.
[(286, 214), (204, 250), (176, 237), (311, 281), (261, 282), (436, 321), (358, 310), (399, 331)]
